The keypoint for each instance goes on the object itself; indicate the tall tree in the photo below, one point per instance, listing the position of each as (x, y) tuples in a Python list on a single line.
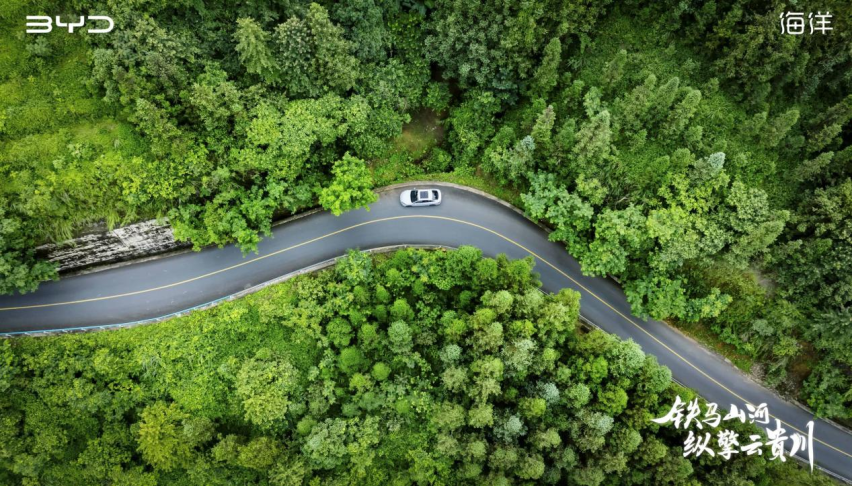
[(547, 74), (351, 187), (614, 70), (20, 271), (253, 49), (593, 141), (682, 114), (161, 440), (779, 127)]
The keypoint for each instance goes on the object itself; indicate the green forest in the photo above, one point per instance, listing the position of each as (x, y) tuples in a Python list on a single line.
[(687, 148), (419, 367)]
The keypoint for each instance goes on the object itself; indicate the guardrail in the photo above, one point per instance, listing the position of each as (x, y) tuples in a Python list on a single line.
[(310, 269)]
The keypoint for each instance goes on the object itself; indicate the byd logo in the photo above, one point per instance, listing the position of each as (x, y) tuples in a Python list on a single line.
[(46, 24)]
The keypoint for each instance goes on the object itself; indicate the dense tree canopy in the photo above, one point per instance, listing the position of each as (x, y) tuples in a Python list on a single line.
[(416, 368), (238, 115), (691, 149), (703, 161)]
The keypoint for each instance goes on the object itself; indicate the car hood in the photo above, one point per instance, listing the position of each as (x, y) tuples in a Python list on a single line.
[(405, 197)]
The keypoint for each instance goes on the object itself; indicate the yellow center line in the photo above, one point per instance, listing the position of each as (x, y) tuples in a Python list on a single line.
[(206, 275), (645, 331), (420, 216)]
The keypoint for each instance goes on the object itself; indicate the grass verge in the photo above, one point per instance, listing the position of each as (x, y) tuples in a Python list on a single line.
[(709, 339)]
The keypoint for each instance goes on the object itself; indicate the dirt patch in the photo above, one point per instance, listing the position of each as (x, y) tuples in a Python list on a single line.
[(423, 132), (764, 280)]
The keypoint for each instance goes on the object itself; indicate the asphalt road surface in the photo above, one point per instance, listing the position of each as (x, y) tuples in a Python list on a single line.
[(163, 286)]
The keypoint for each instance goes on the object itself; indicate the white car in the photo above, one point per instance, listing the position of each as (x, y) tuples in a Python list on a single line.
[(420, 197)]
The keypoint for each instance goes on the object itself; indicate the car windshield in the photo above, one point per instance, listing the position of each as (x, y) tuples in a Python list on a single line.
[(413, 196)]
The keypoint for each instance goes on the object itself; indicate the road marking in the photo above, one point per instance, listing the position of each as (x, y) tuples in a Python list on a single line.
[(642, 329), (222, 270), (417, 216)]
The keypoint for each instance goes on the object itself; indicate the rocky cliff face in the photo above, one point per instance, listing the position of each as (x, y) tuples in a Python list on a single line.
[(127, 243)]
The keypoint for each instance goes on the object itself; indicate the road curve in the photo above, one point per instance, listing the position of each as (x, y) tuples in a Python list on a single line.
[(163, 286)]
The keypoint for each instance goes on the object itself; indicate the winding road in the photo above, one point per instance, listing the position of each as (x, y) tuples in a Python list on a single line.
[(164, 286)]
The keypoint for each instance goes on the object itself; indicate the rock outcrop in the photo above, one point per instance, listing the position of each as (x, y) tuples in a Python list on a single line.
[(131, 242)]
